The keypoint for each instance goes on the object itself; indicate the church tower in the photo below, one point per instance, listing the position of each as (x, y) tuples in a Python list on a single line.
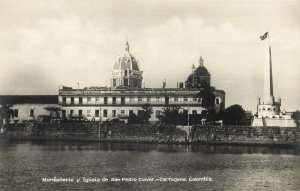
[(126, 71)]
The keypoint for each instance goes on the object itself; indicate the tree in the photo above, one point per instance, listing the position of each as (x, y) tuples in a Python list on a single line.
[(170, 115), (54, 111), (233, 115), (207, 97), (133, 119), (147, 111), (143, 117), (6, 113)]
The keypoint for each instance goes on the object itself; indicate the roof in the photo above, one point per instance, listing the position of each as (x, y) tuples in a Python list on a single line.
[(202, 71), (126, 61), (126, 91), (29, 99)]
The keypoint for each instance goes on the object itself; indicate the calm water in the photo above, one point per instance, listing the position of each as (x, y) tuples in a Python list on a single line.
[(24, 164)]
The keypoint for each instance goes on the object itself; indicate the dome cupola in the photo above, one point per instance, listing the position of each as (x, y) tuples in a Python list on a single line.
[(198, 76), (126, 61), (126, 71)]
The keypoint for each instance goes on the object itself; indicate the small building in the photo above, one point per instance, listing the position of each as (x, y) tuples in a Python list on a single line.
[(29, 107)]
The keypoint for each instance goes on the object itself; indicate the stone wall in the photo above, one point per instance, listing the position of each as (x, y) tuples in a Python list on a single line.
[(160, 133), (244, 134)]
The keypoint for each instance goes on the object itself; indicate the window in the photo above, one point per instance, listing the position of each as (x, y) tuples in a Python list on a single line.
[(105, 100), (113, 113), (16, 113), (140, 113), (175, 98), (185, 99), (80, 100), (194, 112), (88, 113), (140, 99), (88, 98), (217, 101), (64, 100), (97, 99), (157, 99), (194, 99), (122, 111), (105, 113), (96, 113), (71, 112), (148, 99), (72, 100), (122, 100), (114, 82), (167, 100), (63, 113), (114, 100), (31, 114), (130, 112), (125, 81), (80, 112)]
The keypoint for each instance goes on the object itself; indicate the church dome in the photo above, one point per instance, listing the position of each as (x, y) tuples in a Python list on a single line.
[(126, 61), (202, 71), (198, 75)]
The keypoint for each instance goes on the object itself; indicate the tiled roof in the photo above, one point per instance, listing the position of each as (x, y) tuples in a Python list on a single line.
[(27, 99)]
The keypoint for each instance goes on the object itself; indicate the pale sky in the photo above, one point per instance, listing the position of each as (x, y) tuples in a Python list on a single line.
[(44, 44)]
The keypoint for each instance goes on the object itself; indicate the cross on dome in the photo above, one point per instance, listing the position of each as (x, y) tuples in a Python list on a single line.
[(127, 46), (201, 61)]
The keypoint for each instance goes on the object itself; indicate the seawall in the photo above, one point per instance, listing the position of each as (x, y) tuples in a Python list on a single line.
[(162, 133)]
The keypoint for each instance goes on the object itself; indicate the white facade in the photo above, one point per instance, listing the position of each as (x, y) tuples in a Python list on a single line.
[(27, 112), (120, 103)]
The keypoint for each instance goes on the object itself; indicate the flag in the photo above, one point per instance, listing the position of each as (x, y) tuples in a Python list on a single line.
[(263, 37)]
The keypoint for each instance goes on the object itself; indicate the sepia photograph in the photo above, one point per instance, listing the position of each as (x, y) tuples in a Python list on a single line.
[(149, 95)]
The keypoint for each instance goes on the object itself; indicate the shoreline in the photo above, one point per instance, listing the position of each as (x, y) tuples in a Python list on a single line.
[(148, 141)]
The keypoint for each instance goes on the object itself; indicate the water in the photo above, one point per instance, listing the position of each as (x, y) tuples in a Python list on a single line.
[(24, 164)]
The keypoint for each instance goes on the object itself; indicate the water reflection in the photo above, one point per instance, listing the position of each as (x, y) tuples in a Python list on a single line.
[(168, 148), (231, 167)]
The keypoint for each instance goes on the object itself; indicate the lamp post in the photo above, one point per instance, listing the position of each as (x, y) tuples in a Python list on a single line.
[(99, 122), (188, 111)]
